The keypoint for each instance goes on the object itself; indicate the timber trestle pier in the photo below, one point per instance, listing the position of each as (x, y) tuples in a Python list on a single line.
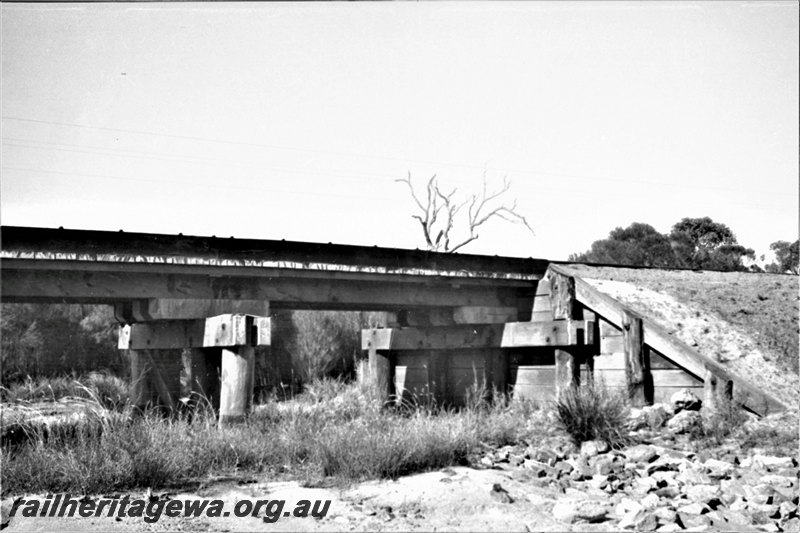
[(201, 306)]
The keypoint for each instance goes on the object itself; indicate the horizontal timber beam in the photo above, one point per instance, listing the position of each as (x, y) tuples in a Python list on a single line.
[(450, 316), (510, 335), (218, 331), (463, 278), (186, 308), (548, 333), (23, 285), (674, 349)]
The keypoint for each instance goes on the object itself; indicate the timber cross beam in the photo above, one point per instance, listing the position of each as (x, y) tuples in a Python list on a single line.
[(226, 330), (508, 335)]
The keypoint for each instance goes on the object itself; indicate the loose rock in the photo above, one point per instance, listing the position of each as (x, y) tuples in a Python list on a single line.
[(585, 510), (792, 525), (650, 502), (685, 400), (500, 494), (591, 448), (701, 493), (627, 506), (604, 465), (665, 515), (649, 417), (693, 509), (641, 520), (641, 453), (685, 421), (690, 521), (768, 462), (718, 469)]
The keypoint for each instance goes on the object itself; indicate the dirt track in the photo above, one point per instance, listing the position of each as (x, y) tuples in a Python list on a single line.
[(459, 498)]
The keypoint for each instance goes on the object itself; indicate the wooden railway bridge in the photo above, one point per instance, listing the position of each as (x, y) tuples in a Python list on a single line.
[(202, 304)]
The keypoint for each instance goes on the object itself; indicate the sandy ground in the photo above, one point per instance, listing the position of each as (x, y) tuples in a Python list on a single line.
[(452, 499)]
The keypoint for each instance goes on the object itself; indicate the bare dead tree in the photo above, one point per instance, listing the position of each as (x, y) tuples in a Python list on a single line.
[(440, 207)]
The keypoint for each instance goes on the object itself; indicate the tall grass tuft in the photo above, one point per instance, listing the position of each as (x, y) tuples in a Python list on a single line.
[(391, 445), (592, 411)]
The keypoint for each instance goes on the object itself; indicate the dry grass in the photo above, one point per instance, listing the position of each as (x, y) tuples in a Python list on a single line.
[(777, 434), (593, 411), (333, 430), (110, 391)]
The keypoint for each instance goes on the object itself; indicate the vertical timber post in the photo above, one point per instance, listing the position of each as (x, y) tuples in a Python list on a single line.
[(155, 377), (637, 364), (236, 394), (717, 392), (496, 370), (165, 375), (379, 366), (202, 367), (140, 383), (437, 376), (568, 372), (564, 306)]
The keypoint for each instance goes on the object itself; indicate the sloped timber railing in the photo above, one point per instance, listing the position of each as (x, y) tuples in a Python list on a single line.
[(681, 354)]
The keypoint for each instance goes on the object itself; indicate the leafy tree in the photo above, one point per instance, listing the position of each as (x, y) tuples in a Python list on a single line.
[(638, 244), (787, 255), (698, 243), (52, 339), (701, 243)]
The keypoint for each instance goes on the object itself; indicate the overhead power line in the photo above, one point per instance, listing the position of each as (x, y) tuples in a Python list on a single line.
[(219, 141), (163, 156), (221, 185), (350, 154), (372, 199)]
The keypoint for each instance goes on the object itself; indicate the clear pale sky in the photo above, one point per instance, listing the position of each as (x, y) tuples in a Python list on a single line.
[(291, 121)]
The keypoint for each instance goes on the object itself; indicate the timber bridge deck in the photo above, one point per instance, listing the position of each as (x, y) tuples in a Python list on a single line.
[(202, 305)]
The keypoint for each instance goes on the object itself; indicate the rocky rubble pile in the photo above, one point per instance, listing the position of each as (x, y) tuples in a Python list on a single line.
[(661, 484)]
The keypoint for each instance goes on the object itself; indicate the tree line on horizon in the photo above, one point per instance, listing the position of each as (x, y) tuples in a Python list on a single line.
[(692, 243)]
